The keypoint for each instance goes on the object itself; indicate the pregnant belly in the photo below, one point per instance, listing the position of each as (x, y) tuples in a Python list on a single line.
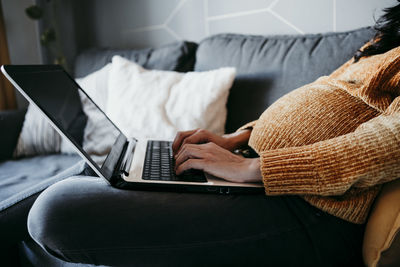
[(307, 115)]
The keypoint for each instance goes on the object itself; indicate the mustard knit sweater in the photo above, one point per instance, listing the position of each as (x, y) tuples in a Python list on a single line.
[(337, 140)]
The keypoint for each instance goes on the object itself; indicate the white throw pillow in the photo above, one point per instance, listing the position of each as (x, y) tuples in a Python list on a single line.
[(156, 104), (37, 135)]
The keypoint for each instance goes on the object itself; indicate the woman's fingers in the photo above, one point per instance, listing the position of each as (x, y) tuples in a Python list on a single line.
[(198, 164), (198, 137), (189, 151), (179, 138), (217, 161)]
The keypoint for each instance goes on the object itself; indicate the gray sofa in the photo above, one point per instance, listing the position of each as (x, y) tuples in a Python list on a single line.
[(267, 68)]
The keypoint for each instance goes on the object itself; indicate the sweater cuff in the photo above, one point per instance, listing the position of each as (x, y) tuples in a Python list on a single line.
[(289, 171), (249, 125)]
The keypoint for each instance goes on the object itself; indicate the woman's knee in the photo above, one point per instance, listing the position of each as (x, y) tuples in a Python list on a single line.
[(52, 215)]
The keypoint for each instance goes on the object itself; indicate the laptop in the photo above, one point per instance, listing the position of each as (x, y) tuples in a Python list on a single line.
[(128, 163)]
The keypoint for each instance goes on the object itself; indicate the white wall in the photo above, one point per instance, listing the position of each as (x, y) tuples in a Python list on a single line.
[(151, 23), (143, 23)]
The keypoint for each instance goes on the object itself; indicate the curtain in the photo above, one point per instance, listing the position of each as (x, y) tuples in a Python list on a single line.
[(7, 94)]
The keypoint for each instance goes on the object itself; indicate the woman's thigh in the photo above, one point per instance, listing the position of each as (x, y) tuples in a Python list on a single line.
[(85, 220)]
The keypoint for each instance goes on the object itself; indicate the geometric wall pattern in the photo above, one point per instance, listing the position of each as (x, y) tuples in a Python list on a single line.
[(151, 23), (144, 23)]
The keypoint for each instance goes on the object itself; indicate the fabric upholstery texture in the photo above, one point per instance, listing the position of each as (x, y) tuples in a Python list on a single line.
[(20, 183), (18, 175), (179, 56), (281, 64), (12, 122)]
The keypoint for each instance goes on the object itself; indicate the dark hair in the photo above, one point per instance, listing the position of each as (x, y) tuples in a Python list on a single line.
[(387, 36)]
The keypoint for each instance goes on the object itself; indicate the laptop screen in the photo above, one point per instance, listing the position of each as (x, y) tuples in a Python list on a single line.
[(69, 108)]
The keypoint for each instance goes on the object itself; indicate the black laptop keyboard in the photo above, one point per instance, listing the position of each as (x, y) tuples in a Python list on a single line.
[(159, 164)]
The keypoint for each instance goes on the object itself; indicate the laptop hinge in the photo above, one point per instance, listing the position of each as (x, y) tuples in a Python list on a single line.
[(127, 158)]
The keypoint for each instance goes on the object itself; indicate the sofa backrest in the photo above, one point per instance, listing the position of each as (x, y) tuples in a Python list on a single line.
[(178, 56), (267, 66), (270, 66)]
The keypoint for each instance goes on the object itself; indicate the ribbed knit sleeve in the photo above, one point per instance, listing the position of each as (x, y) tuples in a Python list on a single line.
[(368, 156)]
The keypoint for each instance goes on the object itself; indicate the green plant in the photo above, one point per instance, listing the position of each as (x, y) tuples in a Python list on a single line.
[(49, 37)]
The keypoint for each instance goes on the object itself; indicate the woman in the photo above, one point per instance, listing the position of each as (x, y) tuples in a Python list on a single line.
[(338, 136), (324, 150)]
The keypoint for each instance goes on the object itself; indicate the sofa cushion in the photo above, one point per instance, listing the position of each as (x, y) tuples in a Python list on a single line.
[(382, 238), (179, 56), (12, 121), (280, 64), (20, 183)]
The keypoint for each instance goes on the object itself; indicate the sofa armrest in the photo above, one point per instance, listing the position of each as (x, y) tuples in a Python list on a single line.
[(11, 122)]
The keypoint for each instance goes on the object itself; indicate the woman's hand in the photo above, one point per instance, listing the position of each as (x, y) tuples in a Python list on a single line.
[(200, 136), (219, 162)]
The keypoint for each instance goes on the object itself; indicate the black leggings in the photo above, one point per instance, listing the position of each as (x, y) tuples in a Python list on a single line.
[(84, 220)]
